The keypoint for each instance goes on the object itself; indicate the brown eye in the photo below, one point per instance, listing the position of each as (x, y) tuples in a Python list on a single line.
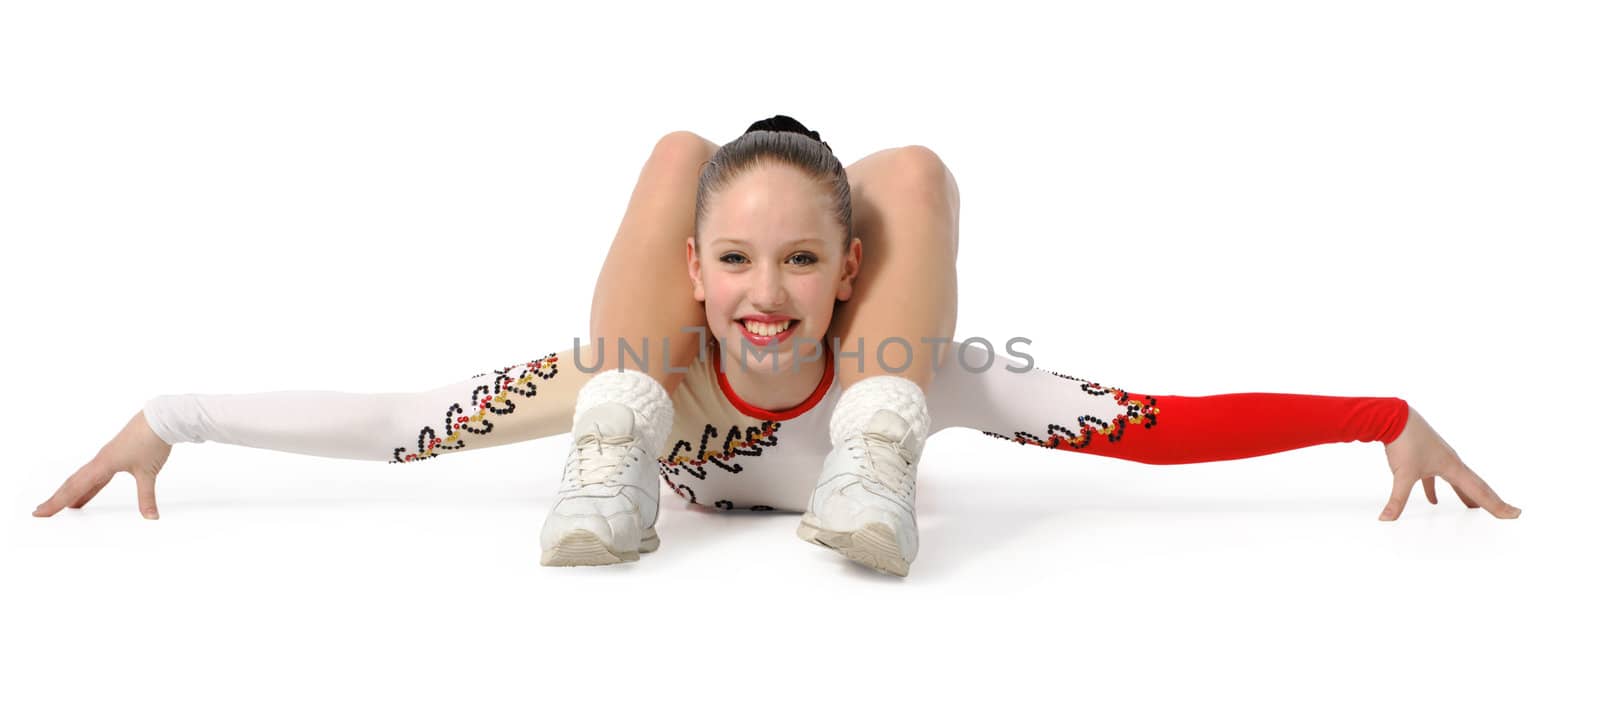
[(805, 258)]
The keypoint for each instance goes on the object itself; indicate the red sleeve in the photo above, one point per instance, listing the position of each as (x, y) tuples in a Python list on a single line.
[(1047, 409)]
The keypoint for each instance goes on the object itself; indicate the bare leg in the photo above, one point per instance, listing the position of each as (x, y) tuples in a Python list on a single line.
[(905, 208), (644, 291), (643, 297), (905, 211)]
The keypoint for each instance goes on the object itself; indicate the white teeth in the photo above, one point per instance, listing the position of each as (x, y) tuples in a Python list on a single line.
[(764, 329)]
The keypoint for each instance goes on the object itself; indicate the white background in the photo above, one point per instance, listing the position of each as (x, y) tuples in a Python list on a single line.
[(1352, 198)]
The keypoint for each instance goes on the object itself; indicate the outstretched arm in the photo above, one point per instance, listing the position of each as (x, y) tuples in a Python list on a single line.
[(1048, 409), (518, 402), (1052, 410)]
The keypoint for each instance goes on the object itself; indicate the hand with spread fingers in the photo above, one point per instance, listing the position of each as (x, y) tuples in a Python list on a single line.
[(136, 450), (1419, 453)]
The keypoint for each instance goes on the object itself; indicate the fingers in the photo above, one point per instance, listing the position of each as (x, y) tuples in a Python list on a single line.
[(84, 484), (1480, 492), (93, 490), (1427, 488), (147, 494), (69, 491), (1397, 498), (1464, 498)]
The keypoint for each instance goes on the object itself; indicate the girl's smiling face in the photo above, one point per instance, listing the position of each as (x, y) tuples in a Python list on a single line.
[(772, 265)]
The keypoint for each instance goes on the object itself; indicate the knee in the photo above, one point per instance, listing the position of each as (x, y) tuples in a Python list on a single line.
[(920, 172), (682, 151)]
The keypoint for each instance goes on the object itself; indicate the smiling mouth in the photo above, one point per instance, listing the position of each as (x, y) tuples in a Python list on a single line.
[(766, 330)]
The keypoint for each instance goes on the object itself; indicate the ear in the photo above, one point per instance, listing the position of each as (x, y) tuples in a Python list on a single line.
[(850, 269), (694, 272)]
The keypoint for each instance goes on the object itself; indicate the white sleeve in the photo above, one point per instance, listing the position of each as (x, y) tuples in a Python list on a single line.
[(1003, 398), (519, 402)]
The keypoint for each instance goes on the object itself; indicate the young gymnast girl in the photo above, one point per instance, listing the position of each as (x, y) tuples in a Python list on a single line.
[(773, 383)]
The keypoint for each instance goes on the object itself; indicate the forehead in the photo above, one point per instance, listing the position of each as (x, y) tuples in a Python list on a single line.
[(770, 196)]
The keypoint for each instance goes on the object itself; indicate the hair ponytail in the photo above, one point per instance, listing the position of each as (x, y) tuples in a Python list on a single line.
[(783, 122)]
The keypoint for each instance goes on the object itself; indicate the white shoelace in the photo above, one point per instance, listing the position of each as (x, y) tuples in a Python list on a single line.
[(888, 462), (596, 464)]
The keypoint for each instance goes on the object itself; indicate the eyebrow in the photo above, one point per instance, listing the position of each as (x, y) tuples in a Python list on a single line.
[(786, 243)]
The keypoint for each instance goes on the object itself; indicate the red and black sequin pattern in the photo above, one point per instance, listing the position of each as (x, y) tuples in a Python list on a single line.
[(748, 441), (491, 399), (681, 490), (1078, 435)]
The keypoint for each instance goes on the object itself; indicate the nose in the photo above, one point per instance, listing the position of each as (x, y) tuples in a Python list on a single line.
[(768, 292)]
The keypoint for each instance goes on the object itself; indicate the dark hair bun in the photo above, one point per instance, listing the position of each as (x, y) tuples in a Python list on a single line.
[(784, 122)]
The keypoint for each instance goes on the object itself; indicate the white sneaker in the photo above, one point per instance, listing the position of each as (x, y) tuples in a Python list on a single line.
[(610, 494), (864, 505)]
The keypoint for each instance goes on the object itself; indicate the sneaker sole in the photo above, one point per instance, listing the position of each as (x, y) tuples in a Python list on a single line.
[(581, 547), (874, 545)]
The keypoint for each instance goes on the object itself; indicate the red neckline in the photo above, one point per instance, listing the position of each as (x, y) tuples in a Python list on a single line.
[(756, 412)]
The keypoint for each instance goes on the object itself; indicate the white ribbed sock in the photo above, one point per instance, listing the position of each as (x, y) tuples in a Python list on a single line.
[(652, 407), (863, 399)]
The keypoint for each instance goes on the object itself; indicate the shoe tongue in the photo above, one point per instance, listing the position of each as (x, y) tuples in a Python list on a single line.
[(889, 424), (609, 419)]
